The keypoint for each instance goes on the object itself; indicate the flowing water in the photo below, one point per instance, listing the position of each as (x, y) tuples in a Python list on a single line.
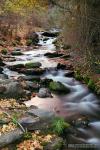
[(80, 102)]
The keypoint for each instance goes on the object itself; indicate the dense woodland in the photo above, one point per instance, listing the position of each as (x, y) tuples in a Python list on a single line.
[(74, 27)]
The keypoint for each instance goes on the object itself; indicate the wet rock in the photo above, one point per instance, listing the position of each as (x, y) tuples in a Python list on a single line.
[(53, 55), (29, 78), (2, 89), (10, 137), (41, 113), (3, 76), (45, 82), (55, 144), (1, 62), (1, 69), (58, 87), (28, 121), (17, 49), (44, 93), (16, 67), (50, 34), (39, 71), (11, 89), (61, 66), (66, 56), (69, 74), (45, 39), (16, 53), (28, 85), (33, 65)]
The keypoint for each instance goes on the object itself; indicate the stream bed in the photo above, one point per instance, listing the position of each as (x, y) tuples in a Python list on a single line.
[(78, 103)]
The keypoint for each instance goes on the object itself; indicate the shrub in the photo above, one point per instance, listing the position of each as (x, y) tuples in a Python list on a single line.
[(59, 126), (91, 85), (4, 51), (29, 42)]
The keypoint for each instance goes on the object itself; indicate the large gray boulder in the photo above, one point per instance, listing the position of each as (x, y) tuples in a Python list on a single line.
[(10, 137), (11, 89), (44, 92)]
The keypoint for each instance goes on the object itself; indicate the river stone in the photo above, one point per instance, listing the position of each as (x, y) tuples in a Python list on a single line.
[(16, 53), (30, 85), (50, 34), (58, 87), (33, 65), (41, 113), (11, 89), (16, 67), (28, 121), (61, 66), (53, 55), (1, 62), (69, 74), (3, 76), (44, 92), (10, 137), (1, 69), (45, 82), (55, 144), (35, 72), (29, 78)]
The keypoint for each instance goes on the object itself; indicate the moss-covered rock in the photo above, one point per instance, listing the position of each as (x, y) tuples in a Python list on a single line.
[(33, 65), (52, 55), (16, 53), (58, 87)]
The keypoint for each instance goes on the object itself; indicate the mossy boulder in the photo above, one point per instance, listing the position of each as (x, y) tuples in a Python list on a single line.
[(53, 55), (16, 53), (32, 65), (58, 87)]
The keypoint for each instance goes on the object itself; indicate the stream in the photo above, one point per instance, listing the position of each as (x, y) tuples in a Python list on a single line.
[(78, 103)]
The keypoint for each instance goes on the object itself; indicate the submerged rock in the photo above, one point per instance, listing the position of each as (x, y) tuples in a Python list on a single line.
[(1, 62), (1, 69), (44, 92), (37, 71), (61, 66), (69, 74), (16, 67), (16, 53), (52, 55), (58, 87)]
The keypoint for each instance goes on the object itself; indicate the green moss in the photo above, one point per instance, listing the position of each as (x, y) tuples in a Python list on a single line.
[(92, 85), (78, 75), (59, 126), (32, 65), (58, 87), (29, 42), (27, 135), (86, 79), (4, 51)]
